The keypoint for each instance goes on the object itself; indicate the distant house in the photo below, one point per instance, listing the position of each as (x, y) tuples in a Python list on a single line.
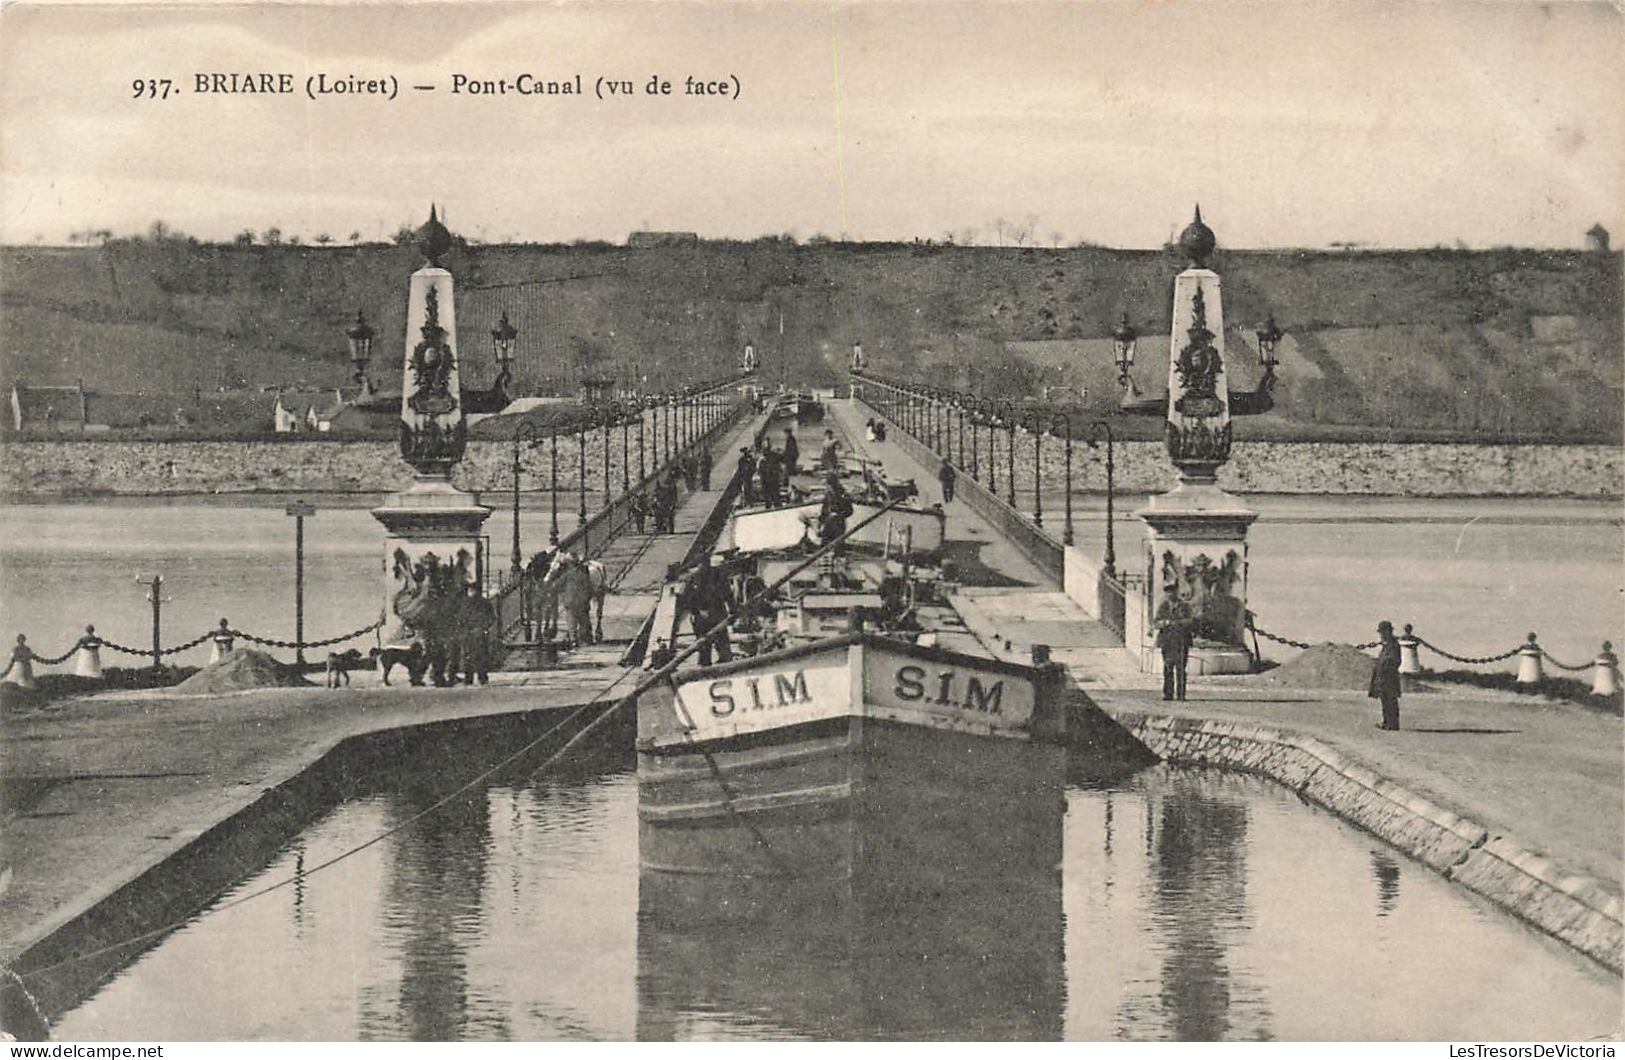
[(295, 411), (1597, 239), (650, 240)]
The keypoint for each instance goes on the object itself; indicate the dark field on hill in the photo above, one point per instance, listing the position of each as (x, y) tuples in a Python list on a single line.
[(1477, 346)]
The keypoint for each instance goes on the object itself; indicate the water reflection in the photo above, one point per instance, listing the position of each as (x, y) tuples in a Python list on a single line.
[(1386, 871), (937, 917), (1188, 904)]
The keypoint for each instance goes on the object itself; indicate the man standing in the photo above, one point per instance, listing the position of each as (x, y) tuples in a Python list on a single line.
[(1385, 676), (707, 601), (772, 477), (705, 469), (746, 474), (947, 476), (1173, 622), (792, 452), (834, 512), (828, 455), (665, 504)]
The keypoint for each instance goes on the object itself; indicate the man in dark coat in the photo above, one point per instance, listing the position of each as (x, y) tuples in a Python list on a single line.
[(947, 476), (772, 476), (1385, 676), (792, 452), (707, 600), (834, 512), (665, 506), (1173, 622), (705, 469), (747, 476)]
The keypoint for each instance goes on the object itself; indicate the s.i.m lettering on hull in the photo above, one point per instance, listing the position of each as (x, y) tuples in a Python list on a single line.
[(947, 694), (912, 680), (785, 690)]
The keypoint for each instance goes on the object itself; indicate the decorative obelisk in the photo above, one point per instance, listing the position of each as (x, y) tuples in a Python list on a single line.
[(1197, 537), (432, 528)]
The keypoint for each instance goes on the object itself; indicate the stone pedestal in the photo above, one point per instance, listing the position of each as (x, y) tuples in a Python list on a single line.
[(430, 524), (1196, 540)]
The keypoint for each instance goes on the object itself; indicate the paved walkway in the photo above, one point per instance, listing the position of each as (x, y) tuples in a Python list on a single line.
[(1007, 599), (1544, 773)]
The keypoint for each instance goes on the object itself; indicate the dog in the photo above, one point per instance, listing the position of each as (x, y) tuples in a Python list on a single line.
[(413, 659), (339, 664)]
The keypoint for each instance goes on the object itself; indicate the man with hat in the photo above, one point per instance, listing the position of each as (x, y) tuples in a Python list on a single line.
[(746, 475), (707, 600), (834, 512), (1173, 622), (1385, 676)]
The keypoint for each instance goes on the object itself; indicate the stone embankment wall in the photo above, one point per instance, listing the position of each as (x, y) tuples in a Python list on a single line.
[(45, 468), (1581, 911), (1375, 468)]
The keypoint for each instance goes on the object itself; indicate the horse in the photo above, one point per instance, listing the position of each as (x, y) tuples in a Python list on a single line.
[(577, 584)]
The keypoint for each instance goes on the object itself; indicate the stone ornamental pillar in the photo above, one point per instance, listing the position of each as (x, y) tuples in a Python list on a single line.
[(1197, 533), (432, 528)]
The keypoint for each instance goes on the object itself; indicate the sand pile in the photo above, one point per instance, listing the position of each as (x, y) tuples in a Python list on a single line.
[(1330, 666), (244, 668)]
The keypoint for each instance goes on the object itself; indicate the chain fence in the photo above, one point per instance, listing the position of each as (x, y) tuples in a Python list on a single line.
[(1470, 660), (103, 642)]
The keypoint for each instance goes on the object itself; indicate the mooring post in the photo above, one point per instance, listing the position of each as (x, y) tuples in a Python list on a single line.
[(299, 509)]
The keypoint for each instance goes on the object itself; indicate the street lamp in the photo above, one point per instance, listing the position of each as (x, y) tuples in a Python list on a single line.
[(1124, 339), (626, 410), (525, 431), (1007, 416), (502, 340), (1096, 430), (1065, 421), (586, 423), (360, 346), (1269, 340), (1034, 423), (553, 490)]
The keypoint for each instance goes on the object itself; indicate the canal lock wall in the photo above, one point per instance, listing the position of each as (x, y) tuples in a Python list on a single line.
[(1579, 910)]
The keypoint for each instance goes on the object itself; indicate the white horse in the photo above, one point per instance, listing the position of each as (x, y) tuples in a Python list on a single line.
[(576, 584)]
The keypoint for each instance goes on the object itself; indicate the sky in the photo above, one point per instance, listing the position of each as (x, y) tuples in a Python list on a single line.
[(1394, 123)]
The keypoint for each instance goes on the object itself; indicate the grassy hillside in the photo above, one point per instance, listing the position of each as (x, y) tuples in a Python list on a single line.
[(1491, 344)]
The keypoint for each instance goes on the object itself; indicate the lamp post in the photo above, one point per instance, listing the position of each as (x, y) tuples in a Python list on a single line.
[(1124, 340), (627, 410), (586, 424), (644, 406), (1007, 415), (1101, 428), (1269, 340), (526, 431), (553, 490), (502, 341), (1065, 421), (1035, 424), (360, 337)]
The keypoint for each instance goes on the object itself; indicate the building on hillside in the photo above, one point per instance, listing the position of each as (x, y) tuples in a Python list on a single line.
[(650, 240), (297, 411), (48, 408), (1597, 239)]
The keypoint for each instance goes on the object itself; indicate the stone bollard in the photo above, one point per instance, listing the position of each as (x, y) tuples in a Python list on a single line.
[(1529, 670), (222, 639), (1409, 661), (1605, 675), (89, 662)]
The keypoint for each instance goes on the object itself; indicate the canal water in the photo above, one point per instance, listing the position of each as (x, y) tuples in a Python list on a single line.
[(1473, 575), (1188, 904)]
